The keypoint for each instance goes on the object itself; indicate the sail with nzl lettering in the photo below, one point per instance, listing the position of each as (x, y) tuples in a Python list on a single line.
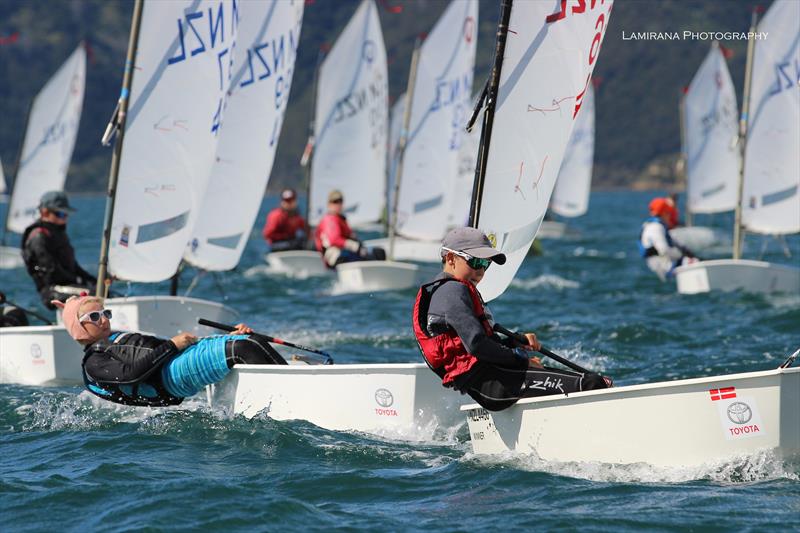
[(574, 183), (352, 121), (49, 140), (439, 110), (183, 68), (546, 69), (771, 196), (713, 157), (269, 33)]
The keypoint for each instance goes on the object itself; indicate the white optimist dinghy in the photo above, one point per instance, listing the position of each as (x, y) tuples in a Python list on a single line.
[(678, 423), (395, 399), (167, 123), (405, 400), (709, 147), (46, 150), (432, 185), (769, 179), (347, 146), (671, 424), (43, 355)]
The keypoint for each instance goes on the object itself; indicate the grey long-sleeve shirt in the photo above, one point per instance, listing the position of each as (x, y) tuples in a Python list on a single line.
[(451, 308)]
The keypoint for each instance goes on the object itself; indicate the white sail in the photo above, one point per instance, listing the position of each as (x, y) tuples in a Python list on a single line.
[(352, 121), (771, 200), (574, 182), (547, 67), (2, 180), (49, 140), (182, 70), (712, 154), (267, 41), (461, 192), (439, 111), (395, 129)]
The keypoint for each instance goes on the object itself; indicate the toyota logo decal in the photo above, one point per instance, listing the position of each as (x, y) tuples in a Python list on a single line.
[(384, 397)]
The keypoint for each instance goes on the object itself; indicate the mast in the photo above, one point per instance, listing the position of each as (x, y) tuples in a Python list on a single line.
[(13, 183), (306, 159), (488, 115), (401, 144), (118, 123), (682, 174), (748, 74)]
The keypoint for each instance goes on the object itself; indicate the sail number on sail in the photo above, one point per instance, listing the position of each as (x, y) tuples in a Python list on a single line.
[(209, 36), (578, 7)]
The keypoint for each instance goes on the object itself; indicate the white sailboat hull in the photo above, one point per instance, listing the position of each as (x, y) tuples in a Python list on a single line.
[(699, 237), (299, 264), (737, 274), (39, 355), (373, 276), (670, 424), (10, 257), (551, 229), (410, 249), (166, 316), (374, 398)]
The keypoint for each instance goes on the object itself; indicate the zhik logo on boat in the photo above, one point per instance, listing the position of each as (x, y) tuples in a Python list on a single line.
[(385, 399)]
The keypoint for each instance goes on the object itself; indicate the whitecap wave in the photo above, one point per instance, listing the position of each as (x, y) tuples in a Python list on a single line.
[(751, 468), (550, 281)]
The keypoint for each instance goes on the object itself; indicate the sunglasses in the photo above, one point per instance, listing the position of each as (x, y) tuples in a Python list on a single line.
[(475, 263), (337, 201), (61, 214), (95, 316)]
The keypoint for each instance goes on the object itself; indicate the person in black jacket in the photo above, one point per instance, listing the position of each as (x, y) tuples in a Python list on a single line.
[(455, 332), (48, 254), (137, 369)]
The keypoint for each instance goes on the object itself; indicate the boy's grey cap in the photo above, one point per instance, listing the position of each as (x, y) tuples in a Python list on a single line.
[(472, 241), (55, 201)]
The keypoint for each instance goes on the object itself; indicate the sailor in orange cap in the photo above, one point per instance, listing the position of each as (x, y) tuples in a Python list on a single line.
[(656, 246)]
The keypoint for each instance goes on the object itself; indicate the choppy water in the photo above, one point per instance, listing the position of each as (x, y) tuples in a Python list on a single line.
[(70, 461)]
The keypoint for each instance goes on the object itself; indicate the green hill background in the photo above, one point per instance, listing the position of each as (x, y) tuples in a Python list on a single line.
[(637, 128)]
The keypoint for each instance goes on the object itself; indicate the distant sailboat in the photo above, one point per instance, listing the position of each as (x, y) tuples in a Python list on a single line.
[(46, 151), (768, 200), (348, 142), (574, 183), (427, 191), (351, 122), (708, 114), (257, 101)]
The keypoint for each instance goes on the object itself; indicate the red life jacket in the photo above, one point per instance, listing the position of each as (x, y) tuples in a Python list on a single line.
[(445, 353)]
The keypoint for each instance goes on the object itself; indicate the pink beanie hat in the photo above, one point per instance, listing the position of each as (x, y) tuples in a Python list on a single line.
[(69, 313)]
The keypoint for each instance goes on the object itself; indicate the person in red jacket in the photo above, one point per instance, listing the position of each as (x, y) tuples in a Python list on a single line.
[(455, 331), (336, 241), (285, 229)]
